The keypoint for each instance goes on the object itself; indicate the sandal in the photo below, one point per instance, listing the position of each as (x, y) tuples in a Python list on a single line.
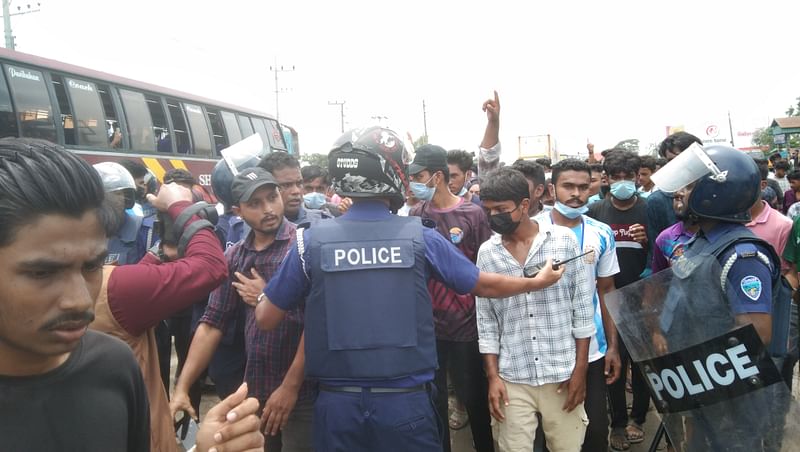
[(457, 419), (634, 433), (618, 441)]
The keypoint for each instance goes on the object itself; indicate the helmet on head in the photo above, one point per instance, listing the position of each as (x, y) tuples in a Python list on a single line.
[(371, 162), (727, 198), (236, 158), (116, 178)]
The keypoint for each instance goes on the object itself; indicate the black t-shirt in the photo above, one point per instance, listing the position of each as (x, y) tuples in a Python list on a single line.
[(95, 401), (632, 256)]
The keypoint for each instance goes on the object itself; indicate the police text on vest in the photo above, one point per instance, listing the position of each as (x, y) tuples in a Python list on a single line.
[(368, 256)]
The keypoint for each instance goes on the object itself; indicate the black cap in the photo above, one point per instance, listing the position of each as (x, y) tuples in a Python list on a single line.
[(429, 157), (248, 181)]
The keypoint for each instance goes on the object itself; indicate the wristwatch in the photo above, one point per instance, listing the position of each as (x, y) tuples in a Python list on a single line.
[(261, 297)]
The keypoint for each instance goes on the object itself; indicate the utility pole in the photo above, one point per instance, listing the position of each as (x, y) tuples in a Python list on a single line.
[(7, 20), (425, 120), (730, 128), (340, 103), (276, 69)]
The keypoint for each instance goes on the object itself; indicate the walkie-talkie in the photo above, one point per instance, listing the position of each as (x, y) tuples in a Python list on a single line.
[(533, 271)]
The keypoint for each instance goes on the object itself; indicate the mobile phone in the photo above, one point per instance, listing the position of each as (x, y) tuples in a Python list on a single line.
[(186, 431), (533, 271)]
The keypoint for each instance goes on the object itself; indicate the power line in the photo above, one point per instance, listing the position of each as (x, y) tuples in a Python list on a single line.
[(10, 44), (276, 69)]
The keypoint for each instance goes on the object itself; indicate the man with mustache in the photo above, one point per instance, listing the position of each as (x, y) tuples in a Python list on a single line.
[(63, 387), (274, 370), (572, 180)]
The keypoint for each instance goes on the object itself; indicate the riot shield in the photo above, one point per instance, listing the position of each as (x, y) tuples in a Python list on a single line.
[(710, 376)]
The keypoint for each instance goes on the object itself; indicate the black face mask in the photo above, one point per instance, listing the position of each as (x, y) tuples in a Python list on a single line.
[(502, 223)]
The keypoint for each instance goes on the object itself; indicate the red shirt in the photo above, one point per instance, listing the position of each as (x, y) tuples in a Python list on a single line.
[(146, 293)]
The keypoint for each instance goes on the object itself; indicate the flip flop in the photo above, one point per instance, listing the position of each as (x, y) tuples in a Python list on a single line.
[(618, 441), (634, 433)]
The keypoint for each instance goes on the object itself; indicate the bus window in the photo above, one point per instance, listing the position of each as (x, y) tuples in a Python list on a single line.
[(8, 121), (67, 120), (232, 127), (244, 124), (218, 129), (199, 129), (112, 125), (140, 125), (88, 111), (276, 137), (34, 110), (179, 127), (261, 129), (160, 125)]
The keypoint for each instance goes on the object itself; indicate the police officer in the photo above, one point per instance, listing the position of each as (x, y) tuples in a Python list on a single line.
[(120, 187), (736, 273), (370, 338)]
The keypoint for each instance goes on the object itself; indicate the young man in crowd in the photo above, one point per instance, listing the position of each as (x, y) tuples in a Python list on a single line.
[(464, 224), (274, 370), (285, 168), (597, 179), (315, 187), (535, 344), (781, 168), (460, 163), (792, 195), (571, 184), (534, 173), (86, 387), (668, 246), (626, 213), (643, 181)]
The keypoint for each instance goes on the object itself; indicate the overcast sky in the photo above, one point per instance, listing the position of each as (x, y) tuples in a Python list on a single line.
[(603, 71)]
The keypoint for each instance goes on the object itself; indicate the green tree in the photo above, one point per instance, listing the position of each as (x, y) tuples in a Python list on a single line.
[(631, 144), (763, 137), (315, 159), (420, 141), (794, 110)]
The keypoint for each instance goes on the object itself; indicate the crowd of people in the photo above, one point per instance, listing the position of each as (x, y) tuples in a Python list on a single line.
[(371, 305)]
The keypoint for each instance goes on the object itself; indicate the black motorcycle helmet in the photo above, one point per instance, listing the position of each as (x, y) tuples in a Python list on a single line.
[(371, 162)]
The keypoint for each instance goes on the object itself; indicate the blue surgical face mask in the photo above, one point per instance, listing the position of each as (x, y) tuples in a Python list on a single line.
[(421, 190), (314, 200), (623, 190), (570, 212)]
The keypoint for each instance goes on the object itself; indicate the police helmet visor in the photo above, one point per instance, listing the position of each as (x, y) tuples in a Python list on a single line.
[(689, 166), (238, 155)]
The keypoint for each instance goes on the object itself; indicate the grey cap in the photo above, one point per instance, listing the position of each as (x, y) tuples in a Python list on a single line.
[(248, 181)]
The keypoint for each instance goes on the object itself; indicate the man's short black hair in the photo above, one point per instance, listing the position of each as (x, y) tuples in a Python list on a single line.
[(621, 161), (180, 176), (504, 184), (312, 172), (41, 178), (660, 162), (763, 167), (649, 162), (532, 171), (569, 165), (462, 159), (679, 141), (596, 168), (278, 160), (794, 175), (545, 162), (137, 169), (782, 165)]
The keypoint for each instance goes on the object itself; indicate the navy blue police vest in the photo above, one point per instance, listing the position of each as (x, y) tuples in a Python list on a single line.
[(701, 290), (369, 314), (122, 248)]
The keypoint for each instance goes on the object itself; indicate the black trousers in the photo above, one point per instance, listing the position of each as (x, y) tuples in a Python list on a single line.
[(616, 394), (465, 363)]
